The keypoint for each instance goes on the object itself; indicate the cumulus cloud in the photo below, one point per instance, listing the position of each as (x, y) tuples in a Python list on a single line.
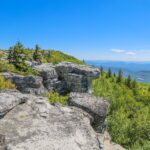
[(118, 50)]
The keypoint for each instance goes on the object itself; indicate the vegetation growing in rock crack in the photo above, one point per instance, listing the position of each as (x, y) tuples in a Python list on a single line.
[(128, 119), (55, 97)]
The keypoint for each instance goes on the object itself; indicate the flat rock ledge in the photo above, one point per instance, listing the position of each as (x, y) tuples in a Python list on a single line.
[(34, 124)]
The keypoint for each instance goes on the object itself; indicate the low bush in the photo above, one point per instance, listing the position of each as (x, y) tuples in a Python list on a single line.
[(128, 118), (54, 97), (5, 84)]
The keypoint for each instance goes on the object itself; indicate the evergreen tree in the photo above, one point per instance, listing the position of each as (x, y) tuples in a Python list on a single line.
[(149, 88), (10, 56), (120, 76), (36, 54), (101, 71), (49, 56), (109, 73), (128, 81), (114, 75), (134, 84), (17, 56)]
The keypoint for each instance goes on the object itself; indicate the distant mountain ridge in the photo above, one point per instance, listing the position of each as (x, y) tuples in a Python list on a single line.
[(138, 70)]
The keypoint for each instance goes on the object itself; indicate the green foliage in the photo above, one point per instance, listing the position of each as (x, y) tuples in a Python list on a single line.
[(128, 118), (109, 73), (120, 76), (17, 57), (54, 97), (128, 81), (5, 84), (7, 67), (57, 56), (37, 55)]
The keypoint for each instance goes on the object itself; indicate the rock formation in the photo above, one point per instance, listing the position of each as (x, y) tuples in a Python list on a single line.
[(62, 78), (77, 77), (96, 107), (36, 125), (27, 84), (29, 122), (50, 78)]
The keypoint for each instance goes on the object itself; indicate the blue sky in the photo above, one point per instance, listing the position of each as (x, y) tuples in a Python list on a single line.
[(87, 29)]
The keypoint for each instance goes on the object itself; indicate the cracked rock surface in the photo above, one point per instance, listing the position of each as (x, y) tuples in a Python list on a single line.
[(34, 124), (96, 107)]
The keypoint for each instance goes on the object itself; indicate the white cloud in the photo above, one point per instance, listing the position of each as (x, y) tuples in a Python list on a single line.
[(130, 53), (118, 50), (126, 52)]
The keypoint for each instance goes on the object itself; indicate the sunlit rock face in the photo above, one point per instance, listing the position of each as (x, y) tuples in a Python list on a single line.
[(77, 77), (27, 84), (67, 77), (96, 107), (31, 123), (50, 78)]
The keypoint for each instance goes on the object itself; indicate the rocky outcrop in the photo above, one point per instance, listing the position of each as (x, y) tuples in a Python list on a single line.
[(37, 125), (77, 77), (27, 84), (62, 78), (50, 78), (96, 107), (30, 122), (67, 77)]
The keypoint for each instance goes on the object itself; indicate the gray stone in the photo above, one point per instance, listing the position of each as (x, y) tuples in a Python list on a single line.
[(27, 84), (37, 125), (67, 77), (8, 100), (107, 143), (96, 107), (77, 77), (50, 78)]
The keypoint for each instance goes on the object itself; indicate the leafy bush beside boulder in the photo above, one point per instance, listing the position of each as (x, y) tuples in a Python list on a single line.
[(128, 119), (5, 84), (54, 97)]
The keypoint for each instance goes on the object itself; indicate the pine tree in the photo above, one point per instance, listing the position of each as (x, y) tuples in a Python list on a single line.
[(109, 73), (120, 76), (49, 56), (134, 84), (17, 56), (128, 81), (101, 71), (36, 54), (114, 75)]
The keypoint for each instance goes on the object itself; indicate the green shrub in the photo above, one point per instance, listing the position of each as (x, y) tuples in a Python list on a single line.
[(5, 84), (54, 97), (128, 118), (6, 67)]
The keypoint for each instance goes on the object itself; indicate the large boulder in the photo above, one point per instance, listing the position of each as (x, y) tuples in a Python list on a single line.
[(50, 78), (27, 84), (77, 77), (96, 107), (37, 125)]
